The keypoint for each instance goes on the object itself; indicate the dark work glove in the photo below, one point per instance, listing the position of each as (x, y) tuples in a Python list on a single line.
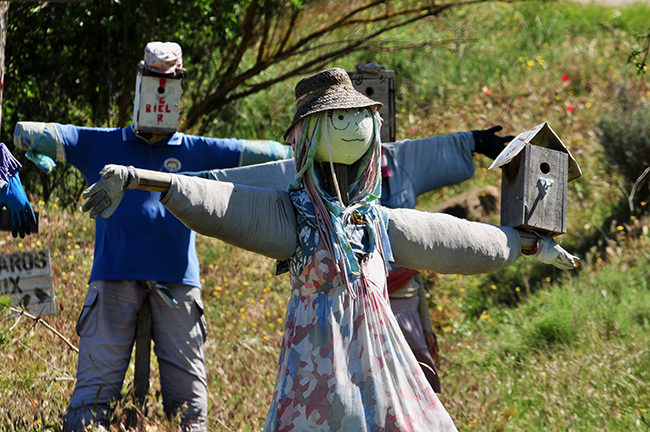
[(13, 196), (488, 143)]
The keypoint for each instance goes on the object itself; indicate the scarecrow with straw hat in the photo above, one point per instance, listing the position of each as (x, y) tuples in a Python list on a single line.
[(344, 363), (409, 168)]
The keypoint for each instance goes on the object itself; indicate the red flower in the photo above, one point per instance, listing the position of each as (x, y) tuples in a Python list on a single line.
[(569, 109), (487, 91), (566, 77)]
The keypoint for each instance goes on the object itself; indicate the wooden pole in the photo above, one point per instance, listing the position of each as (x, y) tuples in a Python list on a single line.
[(4, 13), (143, 351)]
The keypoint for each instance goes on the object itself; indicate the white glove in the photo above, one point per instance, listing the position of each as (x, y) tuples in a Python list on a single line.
[(105, 195), (549, 252)]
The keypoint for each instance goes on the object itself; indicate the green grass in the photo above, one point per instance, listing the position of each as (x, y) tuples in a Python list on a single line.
[(526, 348), (571, 357)]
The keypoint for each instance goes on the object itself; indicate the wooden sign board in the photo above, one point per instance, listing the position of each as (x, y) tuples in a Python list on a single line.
[(27, 278)]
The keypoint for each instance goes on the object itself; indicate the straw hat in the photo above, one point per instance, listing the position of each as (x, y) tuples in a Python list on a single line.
[(330, 89)]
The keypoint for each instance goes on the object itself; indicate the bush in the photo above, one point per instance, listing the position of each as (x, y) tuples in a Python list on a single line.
[(551, 327), (625, 138)]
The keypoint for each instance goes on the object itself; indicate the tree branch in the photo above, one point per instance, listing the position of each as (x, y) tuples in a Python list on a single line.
[(226, 92), (38, 320)]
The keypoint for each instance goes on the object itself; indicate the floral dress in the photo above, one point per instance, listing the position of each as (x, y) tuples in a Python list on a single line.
[(344, 363)]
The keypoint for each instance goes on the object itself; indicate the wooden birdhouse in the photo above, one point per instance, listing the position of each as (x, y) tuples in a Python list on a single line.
[(536, 170), (378, 84)]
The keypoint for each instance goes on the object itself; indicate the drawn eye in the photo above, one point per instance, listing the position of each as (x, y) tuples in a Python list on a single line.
[(340, 119)]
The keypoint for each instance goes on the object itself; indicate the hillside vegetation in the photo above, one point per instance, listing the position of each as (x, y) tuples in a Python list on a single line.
[(527, 348)]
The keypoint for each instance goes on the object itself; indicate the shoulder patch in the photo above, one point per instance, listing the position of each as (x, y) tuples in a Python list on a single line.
[(172, 164)]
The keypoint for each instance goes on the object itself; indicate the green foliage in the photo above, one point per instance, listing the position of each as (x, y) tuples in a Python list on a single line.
[(606, 305), (639, 55), (5, 302), (571, 348), (625, 139)]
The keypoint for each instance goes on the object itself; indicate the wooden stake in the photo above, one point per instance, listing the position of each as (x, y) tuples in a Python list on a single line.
[(142, 351), (4, 12)]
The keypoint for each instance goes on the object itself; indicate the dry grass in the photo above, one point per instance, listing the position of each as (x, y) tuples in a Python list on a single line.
[(527, 348)]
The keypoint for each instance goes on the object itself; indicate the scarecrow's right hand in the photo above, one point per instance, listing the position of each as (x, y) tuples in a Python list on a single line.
[(546, 250), (105, 195), (552, 253), (41, 142)]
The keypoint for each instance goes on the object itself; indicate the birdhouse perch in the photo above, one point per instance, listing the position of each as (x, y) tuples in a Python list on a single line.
[(536, 170)]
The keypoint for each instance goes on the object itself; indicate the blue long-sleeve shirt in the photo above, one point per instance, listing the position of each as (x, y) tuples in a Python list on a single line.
[(142, 240)]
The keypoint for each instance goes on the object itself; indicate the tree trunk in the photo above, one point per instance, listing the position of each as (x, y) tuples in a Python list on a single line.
[(4, 13)]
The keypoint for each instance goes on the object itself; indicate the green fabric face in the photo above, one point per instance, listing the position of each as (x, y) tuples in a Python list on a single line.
[(347, 135)]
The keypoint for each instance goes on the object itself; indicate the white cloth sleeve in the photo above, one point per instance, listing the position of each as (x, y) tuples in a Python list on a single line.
[(41, 138), (446, 244), (256, 219)]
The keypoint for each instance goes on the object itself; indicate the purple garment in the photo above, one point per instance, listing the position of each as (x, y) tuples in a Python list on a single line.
[(8, 165)]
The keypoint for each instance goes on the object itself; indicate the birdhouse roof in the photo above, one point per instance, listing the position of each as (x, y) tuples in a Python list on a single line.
[(541, 135)]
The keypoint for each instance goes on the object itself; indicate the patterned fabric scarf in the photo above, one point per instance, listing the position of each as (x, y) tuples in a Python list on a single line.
[(331, 216)]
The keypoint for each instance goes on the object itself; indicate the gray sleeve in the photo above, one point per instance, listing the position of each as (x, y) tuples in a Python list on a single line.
[(256, 219), (446, 244), (429, 163), (260, 151), (273, 175)]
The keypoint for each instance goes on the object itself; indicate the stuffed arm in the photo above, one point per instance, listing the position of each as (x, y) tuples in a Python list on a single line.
[(42, 142), (256, 219), (446, 244), (260, 151)]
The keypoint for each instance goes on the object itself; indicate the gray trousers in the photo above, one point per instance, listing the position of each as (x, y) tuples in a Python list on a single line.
[(107, 329)]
